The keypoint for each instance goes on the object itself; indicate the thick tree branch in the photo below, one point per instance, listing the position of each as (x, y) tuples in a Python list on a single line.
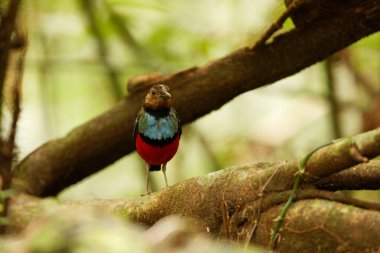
[(230, 202), (342, 154), (103, 140), (365, 176), (241, 203), (241, 185)]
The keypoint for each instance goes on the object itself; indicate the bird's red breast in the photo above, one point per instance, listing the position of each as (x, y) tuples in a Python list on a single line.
[(156, 155)]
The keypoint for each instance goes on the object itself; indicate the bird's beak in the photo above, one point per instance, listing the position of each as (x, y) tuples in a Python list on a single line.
[(166, 95)]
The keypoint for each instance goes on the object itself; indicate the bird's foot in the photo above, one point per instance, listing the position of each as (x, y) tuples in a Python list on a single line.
[(146, 193)]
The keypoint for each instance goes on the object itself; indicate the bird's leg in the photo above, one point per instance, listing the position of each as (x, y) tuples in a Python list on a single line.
[(148, 191), (164, 171)]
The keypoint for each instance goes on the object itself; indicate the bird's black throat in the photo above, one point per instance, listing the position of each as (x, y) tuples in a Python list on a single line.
[(159, 113)]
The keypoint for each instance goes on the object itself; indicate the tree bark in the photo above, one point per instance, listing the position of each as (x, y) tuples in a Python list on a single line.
[(101, 141), (241, 204), (231, 202)]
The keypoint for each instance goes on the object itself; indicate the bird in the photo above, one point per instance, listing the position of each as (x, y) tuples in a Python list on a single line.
[(157, 131)]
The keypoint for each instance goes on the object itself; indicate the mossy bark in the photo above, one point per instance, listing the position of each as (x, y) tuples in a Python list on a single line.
[(309, 225), (242, 204)]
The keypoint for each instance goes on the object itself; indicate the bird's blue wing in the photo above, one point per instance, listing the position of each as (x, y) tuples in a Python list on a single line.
[(136, 127)]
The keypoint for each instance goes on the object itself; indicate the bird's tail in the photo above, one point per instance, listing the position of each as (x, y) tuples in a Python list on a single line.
[(153, 167)]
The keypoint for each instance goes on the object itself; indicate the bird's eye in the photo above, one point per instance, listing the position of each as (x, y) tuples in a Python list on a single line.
[(153, 93)]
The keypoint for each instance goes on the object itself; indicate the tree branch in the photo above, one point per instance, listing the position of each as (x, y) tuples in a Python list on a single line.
[(101, 141), (235, 187), (228, 203), (365, 176)]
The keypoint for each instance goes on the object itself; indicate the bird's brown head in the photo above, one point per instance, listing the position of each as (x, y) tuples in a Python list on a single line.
[(158, 97)]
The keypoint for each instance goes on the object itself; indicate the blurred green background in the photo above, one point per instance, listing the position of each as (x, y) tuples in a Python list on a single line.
[(81, 54)]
